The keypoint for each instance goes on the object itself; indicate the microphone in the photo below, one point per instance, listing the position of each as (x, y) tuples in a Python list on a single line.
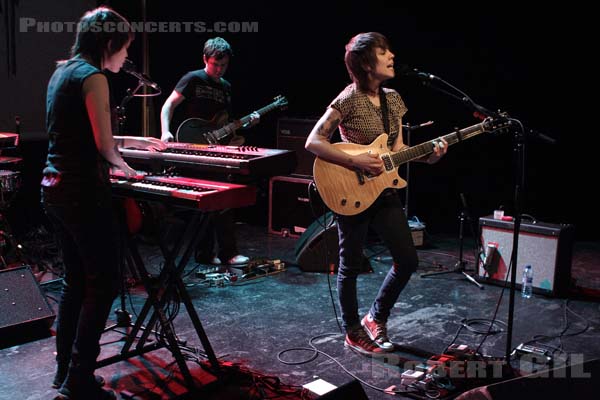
[(413, 127), (129, 67), (407, 71)]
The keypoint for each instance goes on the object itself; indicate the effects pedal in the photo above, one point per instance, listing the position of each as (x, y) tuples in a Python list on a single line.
[(534, 354), (410, 376), (460, 352)]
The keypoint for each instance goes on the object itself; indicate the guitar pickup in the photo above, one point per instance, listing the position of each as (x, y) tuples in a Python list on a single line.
[(387, 162)]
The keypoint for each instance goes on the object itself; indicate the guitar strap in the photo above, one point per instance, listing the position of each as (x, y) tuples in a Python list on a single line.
[(385, 113)]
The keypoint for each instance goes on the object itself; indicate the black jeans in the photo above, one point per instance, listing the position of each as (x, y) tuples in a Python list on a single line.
[(89, 238), (387, 218), (219, 239)]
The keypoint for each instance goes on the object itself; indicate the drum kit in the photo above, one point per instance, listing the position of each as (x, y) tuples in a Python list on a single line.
[(10, 182)]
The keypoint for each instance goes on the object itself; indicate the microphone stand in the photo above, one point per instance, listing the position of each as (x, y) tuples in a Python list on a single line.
[(409, 128), (461, 264), (129, 254), (121, 113), (519, 160), (123, 316)]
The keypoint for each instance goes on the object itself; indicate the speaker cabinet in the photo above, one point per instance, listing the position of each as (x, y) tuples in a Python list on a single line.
[(546, 247), (25, 313), (291, 135), (317, 250), (291, 207)]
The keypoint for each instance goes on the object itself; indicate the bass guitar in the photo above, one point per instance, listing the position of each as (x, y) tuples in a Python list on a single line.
[(351, 191), (215, 131)]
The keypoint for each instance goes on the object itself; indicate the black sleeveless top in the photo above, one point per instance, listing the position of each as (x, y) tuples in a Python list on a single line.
[(75, 171)]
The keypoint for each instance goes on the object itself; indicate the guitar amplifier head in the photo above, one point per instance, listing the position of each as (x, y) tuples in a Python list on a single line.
[(291, 135), (546, 247)]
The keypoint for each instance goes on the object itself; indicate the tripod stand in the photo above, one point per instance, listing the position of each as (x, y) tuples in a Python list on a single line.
[(460, 266)]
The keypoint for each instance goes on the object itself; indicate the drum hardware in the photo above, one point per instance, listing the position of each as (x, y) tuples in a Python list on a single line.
[(10, 182)]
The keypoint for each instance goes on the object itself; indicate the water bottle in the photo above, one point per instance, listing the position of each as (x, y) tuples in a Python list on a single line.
[(527, 282)]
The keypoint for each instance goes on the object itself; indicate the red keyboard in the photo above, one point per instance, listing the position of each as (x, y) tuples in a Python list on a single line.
[(186, 192)]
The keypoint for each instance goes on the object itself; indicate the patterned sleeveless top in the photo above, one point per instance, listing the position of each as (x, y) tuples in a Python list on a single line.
[(362, 121)]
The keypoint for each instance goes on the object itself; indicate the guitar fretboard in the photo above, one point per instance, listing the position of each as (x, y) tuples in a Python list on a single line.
[(261, 111), (423, 149), (231, 127)]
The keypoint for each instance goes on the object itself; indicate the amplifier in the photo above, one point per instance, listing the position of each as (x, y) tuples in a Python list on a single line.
[(290, 209), (546, 247), (25, 315), (291, 135)]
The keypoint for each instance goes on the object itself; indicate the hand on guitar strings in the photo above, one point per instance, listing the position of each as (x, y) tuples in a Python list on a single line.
[(369, 162)]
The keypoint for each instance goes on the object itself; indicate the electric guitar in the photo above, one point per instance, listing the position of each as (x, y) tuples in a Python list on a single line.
[(215, 131), (351, 191)]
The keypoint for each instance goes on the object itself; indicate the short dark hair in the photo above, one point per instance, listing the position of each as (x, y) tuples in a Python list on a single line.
[(101, 29), (360, 52), (217, 48)]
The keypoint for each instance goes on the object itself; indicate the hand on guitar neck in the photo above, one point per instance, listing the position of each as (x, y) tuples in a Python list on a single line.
[(254, 119), (216, 131), (237, 140)]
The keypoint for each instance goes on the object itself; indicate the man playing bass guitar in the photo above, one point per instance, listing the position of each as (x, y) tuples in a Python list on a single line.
[(205, 94)]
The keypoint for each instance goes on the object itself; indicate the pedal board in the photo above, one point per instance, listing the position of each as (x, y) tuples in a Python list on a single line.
[(222, 274)]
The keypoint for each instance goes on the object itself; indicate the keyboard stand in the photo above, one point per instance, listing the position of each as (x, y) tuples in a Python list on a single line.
[(169, 284)]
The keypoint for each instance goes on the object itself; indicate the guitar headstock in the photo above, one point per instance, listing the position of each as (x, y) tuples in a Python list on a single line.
[(499, 123), (280, 102)]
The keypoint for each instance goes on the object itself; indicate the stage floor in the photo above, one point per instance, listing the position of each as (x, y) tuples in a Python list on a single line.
[(249, 322)]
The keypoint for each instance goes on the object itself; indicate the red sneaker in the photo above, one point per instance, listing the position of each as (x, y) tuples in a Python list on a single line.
[(358, 340), (377, 332)]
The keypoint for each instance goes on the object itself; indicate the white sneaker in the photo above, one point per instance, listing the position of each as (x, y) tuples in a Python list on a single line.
[(215, 261), (239, 259)]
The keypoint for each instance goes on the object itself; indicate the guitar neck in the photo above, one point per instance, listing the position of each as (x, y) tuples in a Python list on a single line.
[(233, 126), (261, 112), (423, 149)]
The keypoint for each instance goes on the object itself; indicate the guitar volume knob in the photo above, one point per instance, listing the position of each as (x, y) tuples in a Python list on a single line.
[(344, 202), (357, 204)]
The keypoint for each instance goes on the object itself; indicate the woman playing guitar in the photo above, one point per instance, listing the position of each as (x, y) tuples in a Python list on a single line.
[(363, 111)]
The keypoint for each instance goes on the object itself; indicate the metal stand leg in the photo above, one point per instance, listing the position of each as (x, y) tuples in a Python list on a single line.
[(460, 266), (169, 283), (134, 263)]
